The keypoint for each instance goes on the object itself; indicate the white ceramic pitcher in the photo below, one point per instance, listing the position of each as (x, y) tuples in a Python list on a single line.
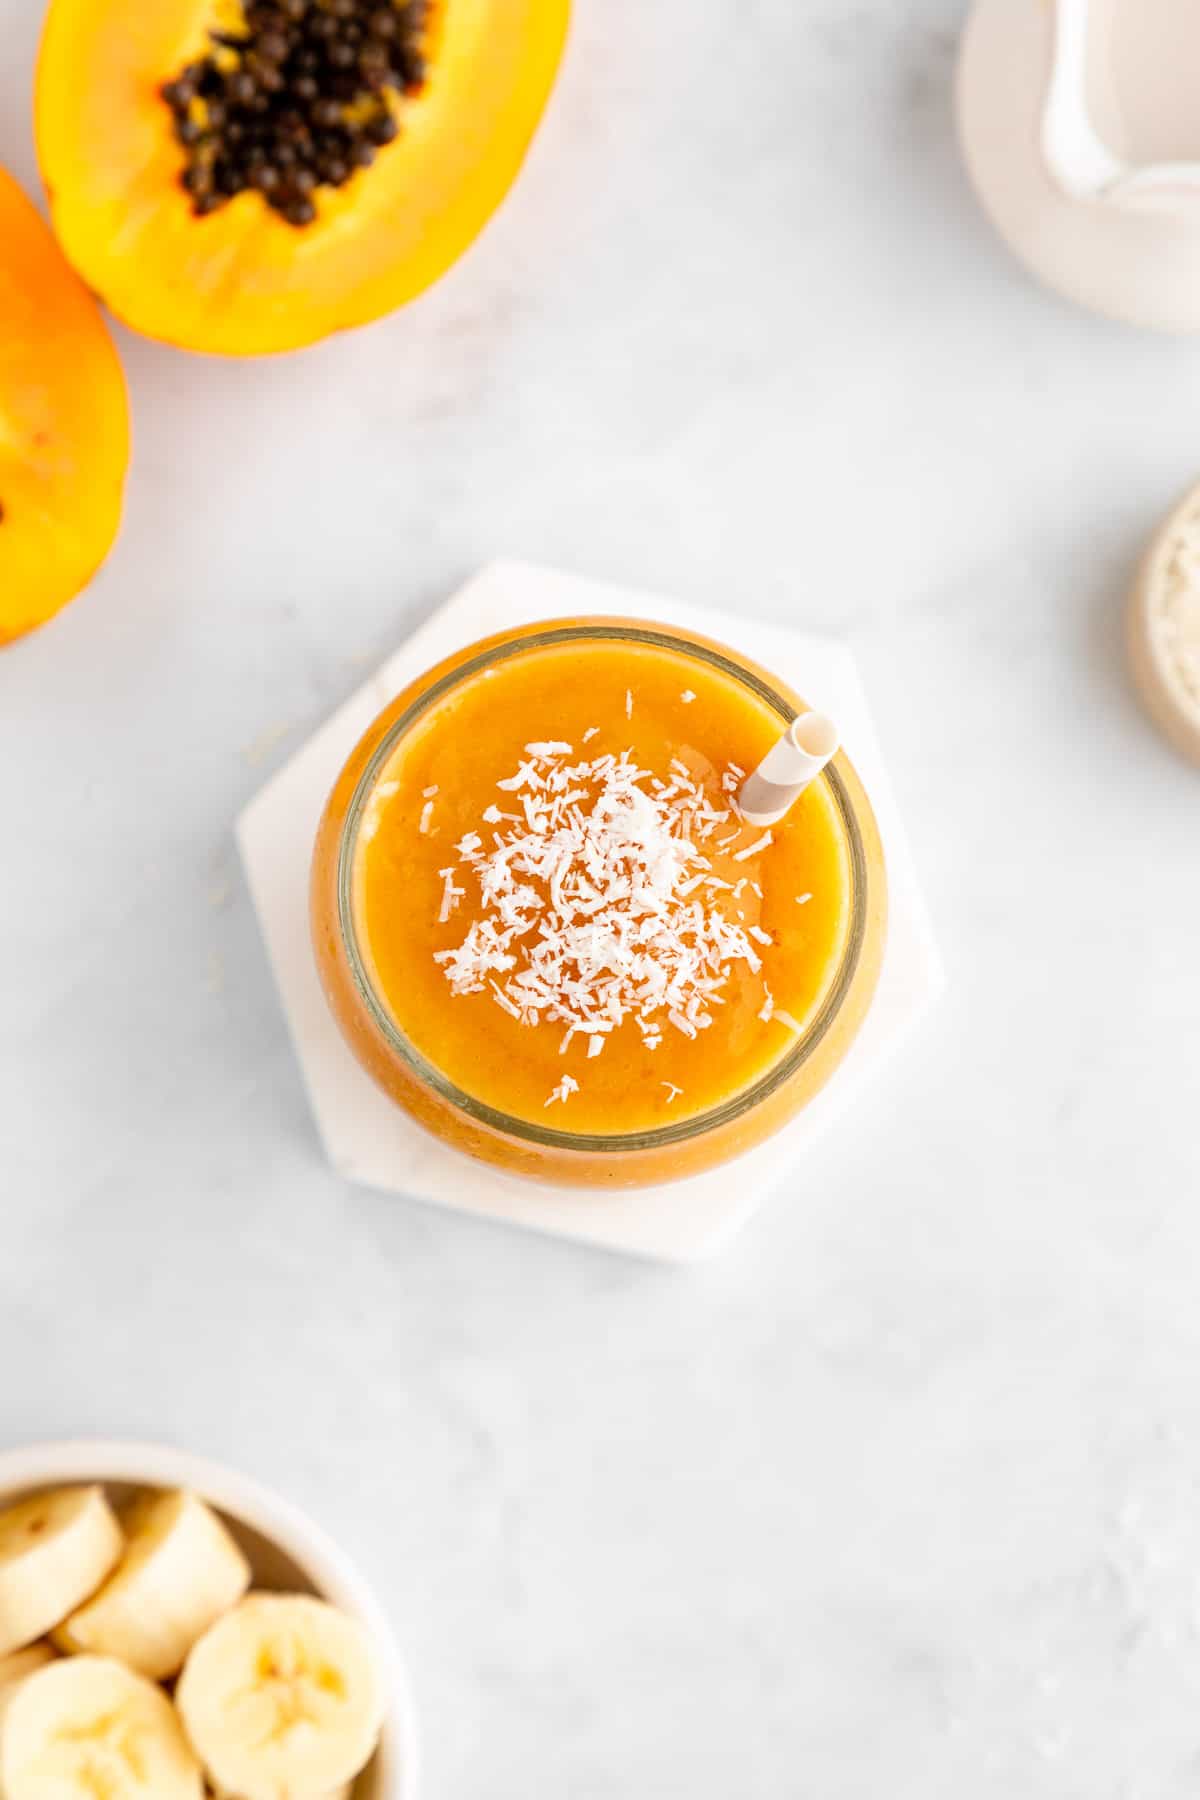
[(1080, 125)]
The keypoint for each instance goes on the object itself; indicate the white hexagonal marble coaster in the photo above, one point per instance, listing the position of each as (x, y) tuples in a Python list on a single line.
[(370, 1140)]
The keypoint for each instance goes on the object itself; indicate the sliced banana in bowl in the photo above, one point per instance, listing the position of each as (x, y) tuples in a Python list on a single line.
[(281, 1697), (55, 1549), (342, 1793), (87, 1725), (180, 1570), (140, 1565)]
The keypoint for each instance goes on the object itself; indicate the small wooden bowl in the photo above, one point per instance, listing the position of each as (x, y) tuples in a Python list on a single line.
[(1165, 695)]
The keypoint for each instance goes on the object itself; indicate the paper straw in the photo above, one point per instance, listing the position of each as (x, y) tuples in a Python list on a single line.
[(788, 768)]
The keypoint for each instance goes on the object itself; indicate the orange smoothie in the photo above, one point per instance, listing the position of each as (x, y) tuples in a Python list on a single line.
[(559, 916), (553, 882)]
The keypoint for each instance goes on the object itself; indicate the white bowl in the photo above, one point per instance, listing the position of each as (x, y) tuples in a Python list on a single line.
[(285, 1549)]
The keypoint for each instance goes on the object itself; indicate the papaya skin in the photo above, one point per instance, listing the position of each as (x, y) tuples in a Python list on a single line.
[(64, 424), (242, 282)]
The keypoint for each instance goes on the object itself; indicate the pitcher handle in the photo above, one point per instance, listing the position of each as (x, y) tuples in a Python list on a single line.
[(1079, 162)]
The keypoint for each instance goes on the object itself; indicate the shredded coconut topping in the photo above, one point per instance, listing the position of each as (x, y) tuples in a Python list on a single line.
[(754, 849), (451, 895), (567, 1086), (599, 902)]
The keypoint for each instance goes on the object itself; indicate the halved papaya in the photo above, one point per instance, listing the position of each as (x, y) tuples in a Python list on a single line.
[(207, 161), (64, 424)]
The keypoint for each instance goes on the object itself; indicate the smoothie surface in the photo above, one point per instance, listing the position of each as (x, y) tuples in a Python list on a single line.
[(559, 906)]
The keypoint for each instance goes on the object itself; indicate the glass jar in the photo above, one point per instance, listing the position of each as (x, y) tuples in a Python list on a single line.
[(549, 1149)]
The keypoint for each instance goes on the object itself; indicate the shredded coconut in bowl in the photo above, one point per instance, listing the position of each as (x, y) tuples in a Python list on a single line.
[(1175, 607), (599, 900)]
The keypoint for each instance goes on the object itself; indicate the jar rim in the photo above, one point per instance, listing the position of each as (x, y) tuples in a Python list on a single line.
[(681, 1131)]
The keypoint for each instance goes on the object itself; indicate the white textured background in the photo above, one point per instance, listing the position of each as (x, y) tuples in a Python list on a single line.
[(903, 1495)]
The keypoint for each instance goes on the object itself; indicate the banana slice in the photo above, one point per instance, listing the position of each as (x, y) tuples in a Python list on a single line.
[(21, 1663), (342, 1793), (55, 1550), (85, 1726), (17, 1668), (181, 1570), (282, 1699)]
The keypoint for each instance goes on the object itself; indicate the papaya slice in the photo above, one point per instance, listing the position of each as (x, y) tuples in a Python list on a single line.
[(206, 160), (64, 424)]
